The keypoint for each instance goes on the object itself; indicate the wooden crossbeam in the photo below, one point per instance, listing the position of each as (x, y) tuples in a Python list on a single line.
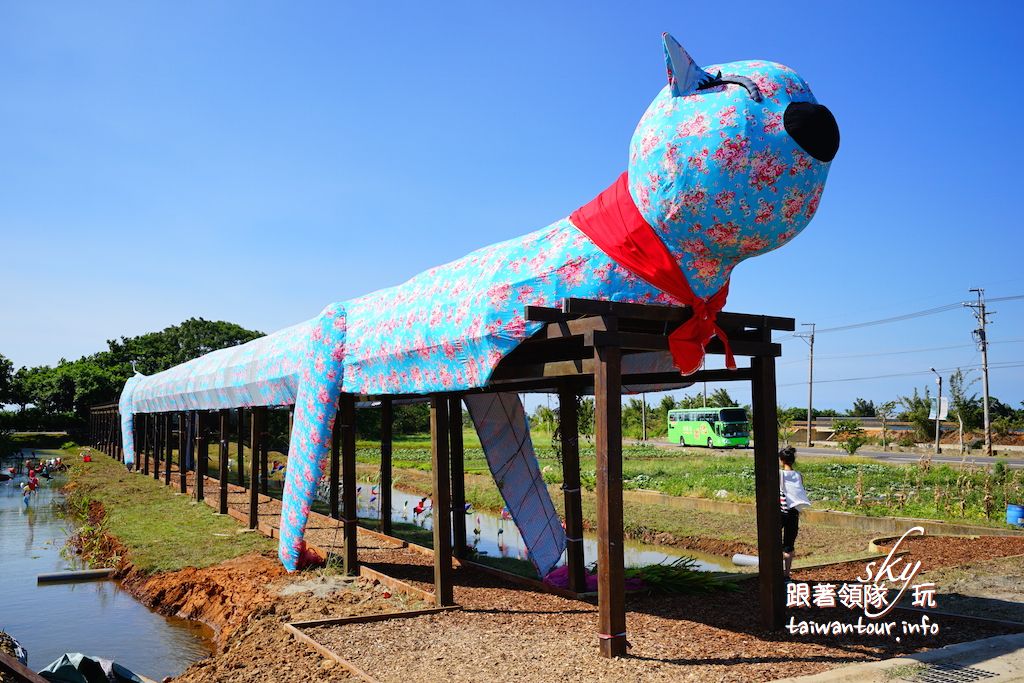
[(655, 312)]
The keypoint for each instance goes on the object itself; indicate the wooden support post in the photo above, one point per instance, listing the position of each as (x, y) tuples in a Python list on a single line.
[(222, 464), (347, 416), (183, 445), (458, 473), (568, 427), (611, 588), (241, 447), (444, 593), (259, 415), (766, 492), (168, 449), (387, 420), (119, 438), (158, 445), (334, 469), (136, 438), (202, 457), (264, 453), (146, 420)]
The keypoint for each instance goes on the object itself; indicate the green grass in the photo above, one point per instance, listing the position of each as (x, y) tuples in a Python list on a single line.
[(161, 531)]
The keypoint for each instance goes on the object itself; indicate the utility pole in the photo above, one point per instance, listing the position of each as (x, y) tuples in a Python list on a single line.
[(982, 339), (808, 337), (938, 413)]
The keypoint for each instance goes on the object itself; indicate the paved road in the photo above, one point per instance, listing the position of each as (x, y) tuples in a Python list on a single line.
[(949, 455)]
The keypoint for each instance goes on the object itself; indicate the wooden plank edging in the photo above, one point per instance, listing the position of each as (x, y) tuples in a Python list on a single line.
[(347, 665), (370, 618)]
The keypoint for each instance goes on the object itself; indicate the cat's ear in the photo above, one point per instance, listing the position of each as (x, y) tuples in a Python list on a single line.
[(684, 76)]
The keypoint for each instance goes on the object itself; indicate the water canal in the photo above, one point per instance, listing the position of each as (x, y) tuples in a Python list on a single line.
[(497, 537), (96, 618)]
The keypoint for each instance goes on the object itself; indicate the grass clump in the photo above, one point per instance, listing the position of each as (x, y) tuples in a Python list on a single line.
[(161, 531), (679, 577)]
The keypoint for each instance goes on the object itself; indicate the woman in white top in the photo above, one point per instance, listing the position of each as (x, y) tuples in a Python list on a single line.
[(792, 499)]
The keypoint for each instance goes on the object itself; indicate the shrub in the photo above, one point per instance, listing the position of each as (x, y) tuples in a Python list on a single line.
[(850, 435)]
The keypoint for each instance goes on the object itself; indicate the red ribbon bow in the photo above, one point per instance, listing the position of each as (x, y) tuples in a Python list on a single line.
[(614, 223)]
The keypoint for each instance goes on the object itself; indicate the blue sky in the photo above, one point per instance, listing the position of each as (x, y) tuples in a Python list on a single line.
[(254, 161)]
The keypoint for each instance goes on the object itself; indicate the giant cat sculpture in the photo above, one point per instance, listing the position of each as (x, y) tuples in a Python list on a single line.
[(728, 162)]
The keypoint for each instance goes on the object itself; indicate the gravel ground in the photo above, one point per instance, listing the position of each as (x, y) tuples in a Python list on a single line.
[(508, 633)]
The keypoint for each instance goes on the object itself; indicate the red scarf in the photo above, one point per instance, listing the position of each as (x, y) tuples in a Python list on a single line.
[(614, 223)]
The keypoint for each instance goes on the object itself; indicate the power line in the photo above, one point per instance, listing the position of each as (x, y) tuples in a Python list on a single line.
[(900, 352), (894, 319), (903, 351), (910, 316), (1003, 365)]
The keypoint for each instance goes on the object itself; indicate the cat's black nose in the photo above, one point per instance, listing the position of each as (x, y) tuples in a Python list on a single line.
[(814, 128)]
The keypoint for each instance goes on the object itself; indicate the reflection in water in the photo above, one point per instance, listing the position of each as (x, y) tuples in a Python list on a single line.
[(96, 618), (497, 535)]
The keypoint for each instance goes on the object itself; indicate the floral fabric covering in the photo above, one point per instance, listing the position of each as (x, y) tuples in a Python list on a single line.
[(712, 171)]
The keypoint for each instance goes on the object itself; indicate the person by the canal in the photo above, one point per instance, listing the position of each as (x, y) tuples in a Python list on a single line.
[(792, 498)]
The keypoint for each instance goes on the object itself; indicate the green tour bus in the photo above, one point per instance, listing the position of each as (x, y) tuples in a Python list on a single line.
[(711, 427)]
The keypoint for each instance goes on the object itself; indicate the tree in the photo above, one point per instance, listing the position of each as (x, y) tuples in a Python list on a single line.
[(849, 434), (863, 408), (885, 412), (158, 351), (586, 418), (23, 384), (786, 430), (544, 418), (966, 409), (720, 398), (916, 409), (6, 379)]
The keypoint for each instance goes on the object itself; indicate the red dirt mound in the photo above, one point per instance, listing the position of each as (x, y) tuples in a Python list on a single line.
[(222, 597)]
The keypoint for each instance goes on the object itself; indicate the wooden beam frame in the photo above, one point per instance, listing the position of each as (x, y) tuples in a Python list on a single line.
[(387, 423), (766, 493), (222, 463), (611, 605), (458, 475), (201, 457), (348, 484), (168, 448), (568, 429), (258, 416), (444, 592), (146, 419), (184, 443), (241, 447), (158, 444)]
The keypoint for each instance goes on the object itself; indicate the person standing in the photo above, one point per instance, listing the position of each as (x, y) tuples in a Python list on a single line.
[(792, 499)]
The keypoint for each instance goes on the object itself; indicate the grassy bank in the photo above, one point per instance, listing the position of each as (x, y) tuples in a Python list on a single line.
[(161, 531)]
